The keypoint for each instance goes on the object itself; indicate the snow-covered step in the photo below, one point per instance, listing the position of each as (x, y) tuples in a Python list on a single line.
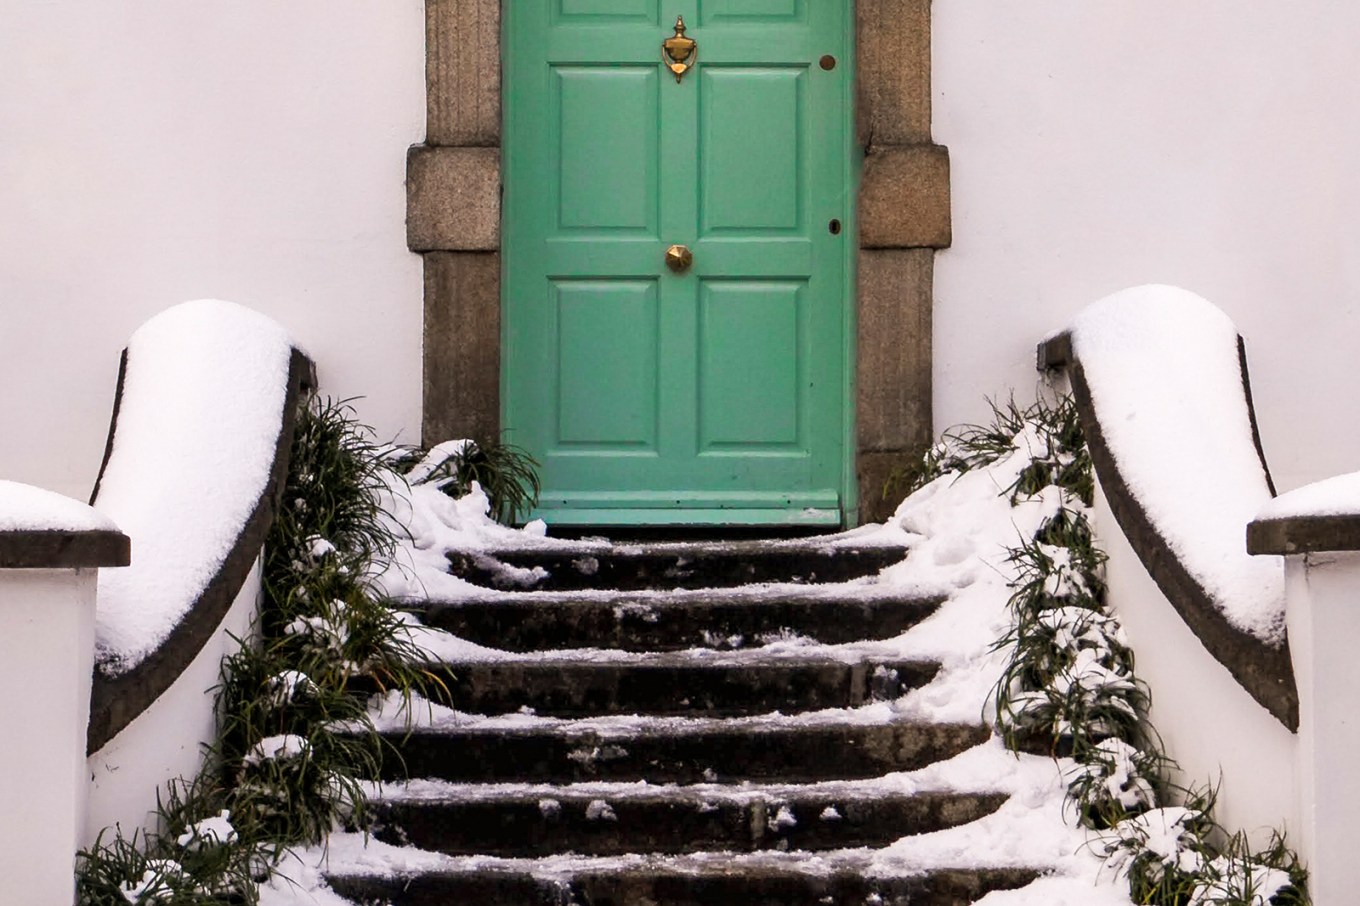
[(669, 750), (660, 885), (621, 818), (707, 564), (674, 621), (678, 683)]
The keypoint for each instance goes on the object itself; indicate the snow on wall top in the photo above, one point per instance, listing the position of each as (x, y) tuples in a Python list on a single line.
[(197, 430), (24, 508), (1166, 383), (1335, 496)]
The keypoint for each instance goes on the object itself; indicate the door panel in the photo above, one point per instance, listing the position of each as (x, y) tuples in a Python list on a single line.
[(719, 11), (606, 11), (750, 388), (713, 395), (606, 350), (750, 149), (606, 121)]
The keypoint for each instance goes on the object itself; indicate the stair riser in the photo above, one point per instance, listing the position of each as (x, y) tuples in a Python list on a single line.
[(701, 566), (587, 689), (533, 827), (519, 625), (794, 755), (753, 888)]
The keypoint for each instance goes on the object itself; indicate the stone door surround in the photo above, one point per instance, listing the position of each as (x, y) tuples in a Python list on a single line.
[(453, 191)]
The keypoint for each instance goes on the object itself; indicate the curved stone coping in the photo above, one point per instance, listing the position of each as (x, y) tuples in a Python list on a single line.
[(116, 700), (1265, 672)]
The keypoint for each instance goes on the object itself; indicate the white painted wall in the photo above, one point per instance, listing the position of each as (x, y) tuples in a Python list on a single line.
[(1211, 145), (154, 152), (1323, 626), (165, 742), (1214, 730), (47, 650)]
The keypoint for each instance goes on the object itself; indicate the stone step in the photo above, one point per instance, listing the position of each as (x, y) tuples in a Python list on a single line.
[(673, 622), (659, 886), (670, 750), (603, 821), (714, 684), (672, 565)]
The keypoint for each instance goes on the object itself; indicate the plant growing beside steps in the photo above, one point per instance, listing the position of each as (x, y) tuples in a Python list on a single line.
[(279, 775), (1070, 686)]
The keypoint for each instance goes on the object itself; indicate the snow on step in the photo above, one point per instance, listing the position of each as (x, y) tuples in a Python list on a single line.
[(707, 683), (686, 751), (677, 620), (664, 886), (531, 821), (672, 566)]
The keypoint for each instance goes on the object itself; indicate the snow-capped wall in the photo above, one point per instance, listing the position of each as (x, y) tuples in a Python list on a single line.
[(1211, 145), (165, 742), (155, 152), (1210, 726)]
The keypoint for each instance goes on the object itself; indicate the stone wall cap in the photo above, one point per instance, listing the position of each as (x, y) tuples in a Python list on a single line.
[(40, 529), (1322, 516)]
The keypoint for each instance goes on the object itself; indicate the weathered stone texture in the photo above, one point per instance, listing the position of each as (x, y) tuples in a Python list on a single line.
[(894, 364), (904, 198), (463, 72), (880, 486), (894, 72), (462, 346), (453, 199)]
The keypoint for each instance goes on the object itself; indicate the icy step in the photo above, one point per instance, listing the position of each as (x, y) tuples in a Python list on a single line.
[(662, 886), (676, 751), (677, 621), (518, 822), (679, 684), (672, 566)]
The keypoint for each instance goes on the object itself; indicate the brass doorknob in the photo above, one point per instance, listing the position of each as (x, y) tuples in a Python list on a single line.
[(679, 258)]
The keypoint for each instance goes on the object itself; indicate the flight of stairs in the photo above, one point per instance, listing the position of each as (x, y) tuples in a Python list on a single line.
[(643, 747)]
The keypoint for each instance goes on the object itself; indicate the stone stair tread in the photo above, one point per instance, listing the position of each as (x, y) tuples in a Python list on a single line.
[(649, 621), (676, 749), (569, 684), (685, 881), (672, 565), (693, 658), (528, 821)]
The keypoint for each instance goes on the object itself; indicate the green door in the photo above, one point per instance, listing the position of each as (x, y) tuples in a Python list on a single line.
[(716, 394)]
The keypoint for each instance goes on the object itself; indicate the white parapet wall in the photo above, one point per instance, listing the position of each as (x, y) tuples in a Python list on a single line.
[(1159, 379), (1316, 529), (1216, 732), (166, 743), (50, 551)]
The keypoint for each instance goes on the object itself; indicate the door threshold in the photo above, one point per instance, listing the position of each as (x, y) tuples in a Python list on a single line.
[(717, 518)]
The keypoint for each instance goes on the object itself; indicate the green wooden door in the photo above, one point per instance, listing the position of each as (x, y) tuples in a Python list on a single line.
[(713, 396)]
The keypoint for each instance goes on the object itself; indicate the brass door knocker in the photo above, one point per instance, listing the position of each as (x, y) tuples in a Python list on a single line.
[(679, 52)]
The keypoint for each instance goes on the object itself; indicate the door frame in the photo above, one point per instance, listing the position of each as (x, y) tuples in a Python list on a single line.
[(901, 205)]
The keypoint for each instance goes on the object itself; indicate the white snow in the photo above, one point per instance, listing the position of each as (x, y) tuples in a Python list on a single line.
[(1162, 364), (1335, 496), (197, 429), (214, 831), (280, 748), (24, 508)]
